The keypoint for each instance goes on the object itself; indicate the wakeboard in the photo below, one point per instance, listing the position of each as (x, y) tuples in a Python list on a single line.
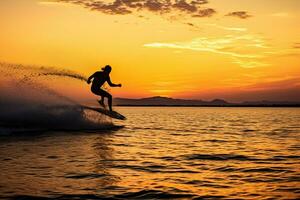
[(112, 114)]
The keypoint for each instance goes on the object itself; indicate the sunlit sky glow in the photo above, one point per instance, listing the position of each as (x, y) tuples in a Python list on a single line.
[(234, 49)]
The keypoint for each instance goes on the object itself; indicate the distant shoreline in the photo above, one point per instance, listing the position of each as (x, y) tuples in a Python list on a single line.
[(274, 106), (158, 101)]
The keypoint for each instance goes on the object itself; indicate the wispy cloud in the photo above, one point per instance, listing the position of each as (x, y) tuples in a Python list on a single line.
[(280, 88), (276, 83), (51, 3), (250, 63), (207, 12), (238, 29), (280, 14), (245, 50), (193, 8), (239, 14), (296, 45)]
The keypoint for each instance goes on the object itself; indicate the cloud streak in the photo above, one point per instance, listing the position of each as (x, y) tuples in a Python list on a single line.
[(296, 45), (245, 50), (238, 29), (264, 88)]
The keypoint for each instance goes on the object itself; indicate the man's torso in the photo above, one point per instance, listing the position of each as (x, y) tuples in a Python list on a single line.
[(99, 80)]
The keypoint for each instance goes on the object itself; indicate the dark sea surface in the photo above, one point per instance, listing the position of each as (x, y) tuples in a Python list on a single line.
[(160, 153)]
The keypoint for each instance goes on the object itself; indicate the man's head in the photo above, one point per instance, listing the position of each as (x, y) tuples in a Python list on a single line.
[(107, 69)]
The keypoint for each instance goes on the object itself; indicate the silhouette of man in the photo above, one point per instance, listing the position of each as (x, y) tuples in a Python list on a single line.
[(99, 78)]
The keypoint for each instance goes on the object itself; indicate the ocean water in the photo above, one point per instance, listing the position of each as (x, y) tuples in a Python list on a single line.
[(160, 153)]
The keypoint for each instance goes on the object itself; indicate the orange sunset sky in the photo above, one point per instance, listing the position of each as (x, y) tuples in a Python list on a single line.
[(232, 49)]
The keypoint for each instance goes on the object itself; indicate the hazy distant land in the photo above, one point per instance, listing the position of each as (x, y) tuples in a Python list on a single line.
[(166, 101)]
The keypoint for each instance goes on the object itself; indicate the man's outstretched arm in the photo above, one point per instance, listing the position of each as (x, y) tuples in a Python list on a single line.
[(90, 78), (112, 84)]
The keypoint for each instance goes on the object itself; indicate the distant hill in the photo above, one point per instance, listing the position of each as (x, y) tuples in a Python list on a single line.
[(166, 101)]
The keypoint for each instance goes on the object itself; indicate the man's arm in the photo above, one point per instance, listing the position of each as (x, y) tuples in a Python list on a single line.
[(112, 84), (90, 78)]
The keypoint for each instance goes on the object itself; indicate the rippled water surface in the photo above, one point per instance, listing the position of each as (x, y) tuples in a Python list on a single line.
[(184, 153)]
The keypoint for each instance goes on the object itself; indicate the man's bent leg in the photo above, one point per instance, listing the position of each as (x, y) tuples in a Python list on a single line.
[(101, 101), (110, 102), (103, 94)]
